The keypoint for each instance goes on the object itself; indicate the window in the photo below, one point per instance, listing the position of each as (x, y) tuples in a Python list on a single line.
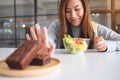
[(16, 16), (106, 12)]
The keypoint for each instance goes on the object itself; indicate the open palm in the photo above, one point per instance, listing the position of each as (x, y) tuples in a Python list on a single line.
[(42, 37)]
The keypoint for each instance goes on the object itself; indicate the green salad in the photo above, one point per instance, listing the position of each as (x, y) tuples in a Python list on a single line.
[(74, 45)]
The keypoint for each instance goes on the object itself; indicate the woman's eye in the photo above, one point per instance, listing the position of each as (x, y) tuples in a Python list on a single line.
[(67, 11), (77, 9)]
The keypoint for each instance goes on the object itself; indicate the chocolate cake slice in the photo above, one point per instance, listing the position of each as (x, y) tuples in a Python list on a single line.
[(23, 55), (41, 60)]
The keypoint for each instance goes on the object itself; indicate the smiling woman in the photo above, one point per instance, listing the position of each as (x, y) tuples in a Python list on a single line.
[(75, 19)]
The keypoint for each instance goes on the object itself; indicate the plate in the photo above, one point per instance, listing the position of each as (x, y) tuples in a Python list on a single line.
[(30, 70)]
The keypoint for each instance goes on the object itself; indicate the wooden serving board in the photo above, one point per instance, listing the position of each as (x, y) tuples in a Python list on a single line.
[(30, 70)]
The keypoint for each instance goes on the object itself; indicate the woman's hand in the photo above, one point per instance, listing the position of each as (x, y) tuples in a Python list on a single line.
[(100, 43), (42, 37)]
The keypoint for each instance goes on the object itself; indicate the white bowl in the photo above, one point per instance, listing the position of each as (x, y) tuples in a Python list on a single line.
[(73, 47)]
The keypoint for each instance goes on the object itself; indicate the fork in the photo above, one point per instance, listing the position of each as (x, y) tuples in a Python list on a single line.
[(94, 29)]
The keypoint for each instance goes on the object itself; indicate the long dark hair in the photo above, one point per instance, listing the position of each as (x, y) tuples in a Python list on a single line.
[(86, 25)]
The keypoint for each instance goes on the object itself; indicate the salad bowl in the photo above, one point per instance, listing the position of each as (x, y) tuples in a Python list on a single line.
[(75, 45)]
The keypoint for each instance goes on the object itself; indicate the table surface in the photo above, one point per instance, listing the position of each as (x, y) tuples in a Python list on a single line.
[(91, 65)]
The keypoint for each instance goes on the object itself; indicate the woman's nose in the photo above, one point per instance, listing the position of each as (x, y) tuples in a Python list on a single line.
[(73, 14)]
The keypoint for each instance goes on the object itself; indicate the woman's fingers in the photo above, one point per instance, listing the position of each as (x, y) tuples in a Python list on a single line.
[(45, 36), (51, 50), (34, 36), (28, 37), (42, 36), (38, 33), (100, 44)]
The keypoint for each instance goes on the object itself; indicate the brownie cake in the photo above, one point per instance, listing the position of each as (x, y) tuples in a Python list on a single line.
[(23, 55), (41, 60)]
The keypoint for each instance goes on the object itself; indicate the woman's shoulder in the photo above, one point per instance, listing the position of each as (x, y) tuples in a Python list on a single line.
[(55, 22), (54, 25)]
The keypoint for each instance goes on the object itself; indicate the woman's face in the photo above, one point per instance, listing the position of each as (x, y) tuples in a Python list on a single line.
[(74, 12)]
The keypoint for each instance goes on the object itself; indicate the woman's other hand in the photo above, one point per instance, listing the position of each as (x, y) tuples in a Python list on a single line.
[(100, 43), (42, 37)]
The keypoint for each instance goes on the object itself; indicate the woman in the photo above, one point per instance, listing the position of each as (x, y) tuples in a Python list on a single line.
[(74, 19)]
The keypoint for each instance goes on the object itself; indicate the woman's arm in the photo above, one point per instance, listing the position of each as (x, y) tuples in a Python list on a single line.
[(54, 34), (111, 38)]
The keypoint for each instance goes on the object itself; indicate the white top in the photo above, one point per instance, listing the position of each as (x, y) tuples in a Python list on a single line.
[(91, 65)]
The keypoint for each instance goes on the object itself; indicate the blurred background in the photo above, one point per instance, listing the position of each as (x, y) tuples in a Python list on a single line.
[(17, 16)]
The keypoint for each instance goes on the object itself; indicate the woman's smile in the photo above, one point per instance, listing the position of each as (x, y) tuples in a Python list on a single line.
[(75, 21)]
